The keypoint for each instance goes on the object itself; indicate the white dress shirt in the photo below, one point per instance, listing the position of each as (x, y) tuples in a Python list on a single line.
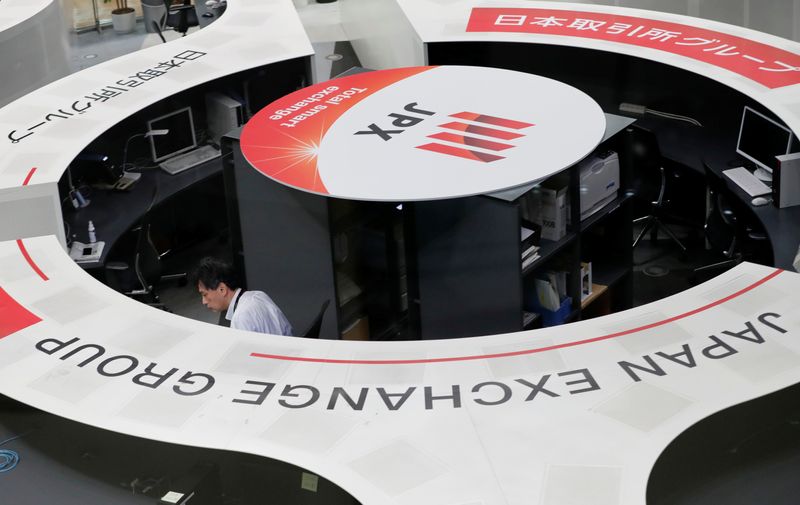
[(255, 311)]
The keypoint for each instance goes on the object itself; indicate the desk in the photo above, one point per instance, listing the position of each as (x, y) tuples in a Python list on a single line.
[(689, 146), (115, 212)]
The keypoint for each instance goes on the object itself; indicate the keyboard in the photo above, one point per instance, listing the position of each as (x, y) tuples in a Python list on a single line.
[(749, 183), (185, 161)]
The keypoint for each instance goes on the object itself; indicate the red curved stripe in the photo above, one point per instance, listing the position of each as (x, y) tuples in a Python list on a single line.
[(523, 351), (28, 177), (28, 258)]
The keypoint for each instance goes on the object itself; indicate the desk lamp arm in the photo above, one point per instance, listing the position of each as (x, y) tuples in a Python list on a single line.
[(149, 133)]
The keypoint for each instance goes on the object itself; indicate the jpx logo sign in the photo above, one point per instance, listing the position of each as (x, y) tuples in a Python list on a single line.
[(402, 120), (462, 138)]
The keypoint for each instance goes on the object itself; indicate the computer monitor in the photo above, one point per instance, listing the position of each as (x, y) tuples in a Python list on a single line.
[(181, 137), (760, 140)]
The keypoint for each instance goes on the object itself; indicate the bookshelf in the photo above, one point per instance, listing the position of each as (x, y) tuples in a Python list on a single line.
[(469, 277)]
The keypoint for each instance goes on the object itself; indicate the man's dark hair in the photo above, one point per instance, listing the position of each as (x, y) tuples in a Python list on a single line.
[(211, 271)]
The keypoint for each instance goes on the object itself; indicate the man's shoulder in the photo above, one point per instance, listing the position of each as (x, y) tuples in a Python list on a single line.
[(256, 296)]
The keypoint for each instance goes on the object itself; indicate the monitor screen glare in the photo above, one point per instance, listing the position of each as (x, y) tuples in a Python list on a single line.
[(761, 139), (181, 137)]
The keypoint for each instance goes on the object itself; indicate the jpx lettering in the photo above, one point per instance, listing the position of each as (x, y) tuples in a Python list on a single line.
[(401, 120)]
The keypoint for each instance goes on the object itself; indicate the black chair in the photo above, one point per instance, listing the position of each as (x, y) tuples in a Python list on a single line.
[(730, 228), (316, 324), (178, 17), (138, 276), (644, 158)]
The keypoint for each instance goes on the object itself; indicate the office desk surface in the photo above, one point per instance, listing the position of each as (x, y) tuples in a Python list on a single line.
[(115, 212), (690, 146)]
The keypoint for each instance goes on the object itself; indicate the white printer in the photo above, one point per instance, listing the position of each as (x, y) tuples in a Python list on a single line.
[(599, 181)]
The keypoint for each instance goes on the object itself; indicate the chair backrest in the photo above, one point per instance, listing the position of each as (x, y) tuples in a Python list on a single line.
[(180, 18), (147, 261), (313, 330), (643, 162), (722, 225)]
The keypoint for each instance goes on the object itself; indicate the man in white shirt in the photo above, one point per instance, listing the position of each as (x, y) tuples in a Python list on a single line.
[(219, 288)]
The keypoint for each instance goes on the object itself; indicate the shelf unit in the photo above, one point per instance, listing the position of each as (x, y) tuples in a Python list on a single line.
[(466, 257)]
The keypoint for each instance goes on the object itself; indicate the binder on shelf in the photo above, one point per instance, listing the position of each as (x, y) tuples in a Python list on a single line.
[(586, 279), (546, 206)]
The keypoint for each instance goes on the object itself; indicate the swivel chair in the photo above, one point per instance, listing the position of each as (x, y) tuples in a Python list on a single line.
[(139, 276), (728, 229), (316, 324), (178, 17), (644, 156)]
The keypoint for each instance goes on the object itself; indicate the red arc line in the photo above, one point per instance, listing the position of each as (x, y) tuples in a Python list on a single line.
[(523, 351), (21, 246), (30, 261)]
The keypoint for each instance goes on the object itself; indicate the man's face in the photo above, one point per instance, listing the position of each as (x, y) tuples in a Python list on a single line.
[(214, 299)]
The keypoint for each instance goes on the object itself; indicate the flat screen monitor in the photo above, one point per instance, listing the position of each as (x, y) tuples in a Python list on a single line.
[(761, 139), (179, 139)]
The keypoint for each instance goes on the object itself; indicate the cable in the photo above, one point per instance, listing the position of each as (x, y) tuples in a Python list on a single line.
[(641, 110), (9, 458)]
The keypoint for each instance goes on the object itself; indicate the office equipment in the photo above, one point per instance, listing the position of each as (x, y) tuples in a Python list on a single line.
[(599, 181), (223, 114), (86, 253), (786, 181), (181, 137), (642, 151), (760, 140), (93, 168), (749, 183), (178, 164), (759, 201)]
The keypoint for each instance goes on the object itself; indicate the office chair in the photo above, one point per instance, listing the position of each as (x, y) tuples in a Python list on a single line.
[(139, 276), (644, 155), (178, 17), (728, 229), (316, 324)]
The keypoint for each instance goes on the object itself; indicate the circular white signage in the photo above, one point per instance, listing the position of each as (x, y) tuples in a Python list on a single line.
[(423, 133)]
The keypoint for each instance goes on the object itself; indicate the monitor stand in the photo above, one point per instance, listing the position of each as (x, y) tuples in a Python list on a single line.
[(763, 175)]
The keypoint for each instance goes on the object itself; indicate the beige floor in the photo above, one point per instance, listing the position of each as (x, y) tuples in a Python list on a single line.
[(83, 14)]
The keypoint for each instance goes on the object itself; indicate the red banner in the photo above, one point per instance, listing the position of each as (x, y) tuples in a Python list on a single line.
[(765, 64), (13, 316)]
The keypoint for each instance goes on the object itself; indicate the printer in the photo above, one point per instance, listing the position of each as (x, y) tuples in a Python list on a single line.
[(599, 181)]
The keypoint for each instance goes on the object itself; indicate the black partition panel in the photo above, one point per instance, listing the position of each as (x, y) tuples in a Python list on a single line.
[(468, 267), (285, 246)]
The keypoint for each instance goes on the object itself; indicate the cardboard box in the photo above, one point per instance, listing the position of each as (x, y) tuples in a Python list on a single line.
[(359, 330)]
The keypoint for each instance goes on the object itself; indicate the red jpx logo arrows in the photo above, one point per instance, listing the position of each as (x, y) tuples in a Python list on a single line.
[(489, 138)]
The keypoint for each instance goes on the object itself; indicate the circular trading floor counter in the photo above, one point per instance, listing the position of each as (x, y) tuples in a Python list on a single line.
[(570, 414)]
